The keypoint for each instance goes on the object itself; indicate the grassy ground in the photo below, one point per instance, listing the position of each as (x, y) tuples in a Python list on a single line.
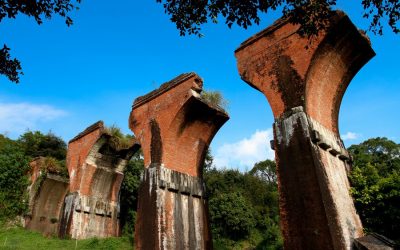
[(19, 238)]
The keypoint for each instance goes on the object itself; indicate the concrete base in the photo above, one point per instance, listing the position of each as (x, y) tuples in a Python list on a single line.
[(172, 211)]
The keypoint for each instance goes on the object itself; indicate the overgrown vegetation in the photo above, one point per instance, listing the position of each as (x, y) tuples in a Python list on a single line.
[(375, 180), (118, 139), (243, 206), (13, 179), (214, 98), (129, 194), (15, 156)]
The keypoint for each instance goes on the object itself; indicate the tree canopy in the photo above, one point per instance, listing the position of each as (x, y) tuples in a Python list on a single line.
[(312, 15), (15, 156), (11, 67), (375, 180), (243, 206), (36, 144)]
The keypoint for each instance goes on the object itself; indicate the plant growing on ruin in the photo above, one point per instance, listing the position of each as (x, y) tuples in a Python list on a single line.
[(214, 98), (54, 166), (118, 139)]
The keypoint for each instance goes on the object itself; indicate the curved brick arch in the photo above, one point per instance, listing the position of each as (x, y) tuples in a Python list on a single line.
[(337, 60), (191, 131), (96, 166), (46, 196)]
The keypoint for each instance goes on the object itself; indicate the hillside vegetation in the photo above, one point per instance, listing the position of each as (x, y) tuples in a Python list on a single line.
[(243, 206)]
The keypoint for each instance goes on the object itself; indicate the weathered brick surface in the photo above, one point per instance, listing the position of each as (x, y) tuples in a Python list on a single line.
[(175, 127), (304, 82), (96, 167), (46, 197)]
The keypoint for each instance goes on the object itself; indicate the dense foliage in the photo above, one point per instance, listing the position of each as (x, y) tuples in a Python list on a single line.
[(312, 15), (13, 180), (36, 144), (10, 67), (129, 193), (14, 166), (375, 180), (243, 207)]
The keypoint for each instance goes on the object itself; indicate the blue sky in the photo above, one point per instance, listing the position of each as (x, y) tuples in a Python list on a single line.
[(119, 50)]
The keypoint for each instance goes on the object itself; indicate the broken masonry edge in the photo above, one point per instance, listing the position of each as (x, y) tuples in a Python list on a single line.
[(164, 88)]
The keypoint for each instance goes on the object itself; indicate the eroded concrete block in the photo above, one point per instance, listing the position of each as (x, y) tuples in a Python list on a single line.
[(175, 127), (304, 81), (95, 165)]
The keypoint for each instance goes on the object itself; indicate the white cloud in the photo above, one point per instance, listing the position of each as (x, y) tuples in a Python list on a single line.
[(349, 136), (246, 152), (17, 117)]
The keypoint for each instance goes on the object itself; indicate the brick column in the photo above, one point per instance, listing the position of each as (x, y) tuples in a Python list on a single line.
[(174, 127), (304, 81), (95, 167)]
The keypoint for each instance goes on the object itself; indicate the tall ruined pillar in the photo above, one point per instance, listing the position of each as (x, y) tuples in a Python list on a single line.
[(175, 127), (304, 83), (95, 164)]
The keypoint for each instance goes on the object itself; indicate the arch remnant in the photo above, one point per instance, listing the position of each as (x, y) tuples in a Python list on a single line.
[(175, 127), (304, 81), (46, 197), (95, 164)]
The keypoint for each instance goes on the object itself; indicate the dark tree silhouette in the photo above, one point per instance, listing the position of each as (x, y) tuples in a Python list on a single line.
[(38, 9), (313, 15), (9, 67)]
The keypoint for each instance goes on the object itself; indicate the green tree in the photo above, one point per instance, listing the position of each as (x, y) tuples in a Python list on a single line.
[(236, 195), (14, 165), (375, 180), (266, 170), (38, 9), (129, 193), (231, 215), (208, 161), (36, 144), (13, 179), (312, 15)]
